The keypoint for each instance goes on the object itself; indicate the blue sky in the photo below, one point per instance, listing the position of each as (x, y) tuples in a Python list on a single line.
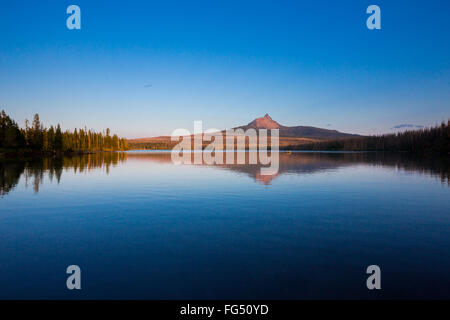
[(145, 68)]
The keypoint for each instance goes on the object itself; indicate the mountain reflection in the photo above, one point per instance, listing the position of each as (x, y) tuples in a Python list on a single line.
[(34, 170), (312, 162)]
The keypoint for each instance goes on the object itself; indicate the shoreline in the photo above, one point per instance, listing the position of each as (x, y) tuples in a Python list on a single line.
[(40, 154)]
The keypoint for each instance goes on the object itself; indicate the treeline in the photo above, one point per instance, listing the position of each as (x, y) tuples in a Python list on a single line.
[(151, 145), (429, 140), (37, 138)]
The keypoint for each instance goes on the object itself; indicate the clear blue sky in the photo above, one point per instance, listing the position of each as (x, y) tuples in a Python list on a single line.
[(144, 68)]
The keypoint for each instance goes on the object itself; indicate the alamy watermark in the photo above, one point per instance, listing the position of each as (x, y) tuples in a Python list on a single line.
[(374, 20), (374, 280), (233, 146), (74, 280), (74, 20)]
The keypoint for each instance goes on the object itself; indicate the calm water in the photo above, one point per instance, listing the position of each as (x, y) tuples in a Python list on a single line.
[(141, 227)]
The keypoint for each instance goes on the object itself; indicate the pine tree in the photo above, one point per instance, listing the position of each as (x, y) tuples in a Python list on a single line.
[(51, 138), (37, 141), (58, 144), (10, 134)]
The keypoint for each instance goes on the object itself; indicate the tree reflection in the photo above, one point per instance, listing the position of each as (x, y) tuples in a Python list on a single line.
[(35, 170)]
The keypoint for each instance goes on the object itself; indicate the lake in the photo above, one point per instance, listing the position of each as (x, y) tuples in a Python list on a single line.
[(141, 227)]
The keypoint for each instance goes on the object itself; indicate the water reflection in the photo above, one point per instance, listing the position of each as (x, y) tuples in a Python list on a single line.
[(312, 162), (34, 170)]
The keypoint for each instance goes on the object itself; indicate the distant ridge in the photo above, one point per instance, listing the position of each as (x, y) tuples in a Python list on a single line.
[(267, 122), (289, 136)]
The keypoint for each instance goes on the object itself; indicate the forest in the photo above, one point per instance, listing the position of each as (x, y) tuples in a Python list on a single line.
[(428, 140), (35, 137)]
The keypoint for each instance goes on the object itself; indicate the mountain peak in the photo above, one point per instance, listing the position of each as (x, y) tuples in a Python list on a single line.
[(265, 122)]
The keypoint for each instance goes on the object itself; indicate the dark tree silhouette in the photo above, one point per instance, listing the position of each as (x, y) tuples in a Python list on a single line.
[(428, 140), (11, 137)]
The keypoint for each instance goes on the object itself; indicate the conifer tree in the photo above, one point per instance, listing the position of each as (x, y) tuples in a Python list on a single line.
[(58, 144)]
